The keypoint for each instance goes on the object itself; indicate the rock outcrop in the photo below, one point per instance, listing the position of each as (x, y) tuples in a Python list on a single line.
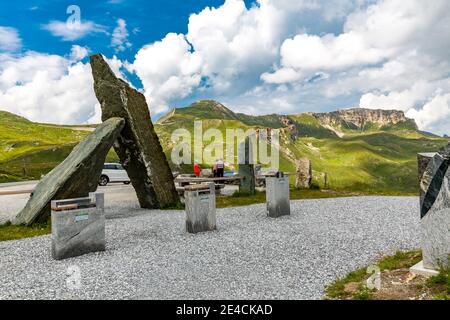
[(435, 208), (76, 176), (138, 145), (303, 176), (357, 118)]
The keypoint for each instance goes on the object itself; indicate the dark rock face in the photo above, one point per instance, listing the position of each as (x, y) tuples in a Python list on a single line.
[(246, 168), (433, 181), (138, 146), (423, 160), (76, 176)]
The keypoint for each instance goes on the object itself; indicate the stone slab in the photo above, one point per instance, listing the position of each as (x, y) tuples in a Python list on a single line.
[(76, 176)]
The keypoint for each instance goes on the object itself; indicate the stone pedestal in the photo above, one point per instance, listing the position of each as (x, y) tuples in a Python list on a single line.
[(78, 226), (434, 174), (277, 196), (200, 202)]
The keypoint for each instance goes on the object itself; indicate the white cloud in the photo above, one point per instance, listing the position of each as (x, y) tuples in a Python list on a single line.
[(71, 32), (168, 70), (47, 88), (224, 51), (433, 115), (78, 53), (120, 35), (9, 39)]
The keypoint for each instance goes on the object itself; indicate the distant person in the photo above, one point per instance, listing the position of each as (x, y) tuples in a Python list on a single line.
[(220, 165), (197, 169)]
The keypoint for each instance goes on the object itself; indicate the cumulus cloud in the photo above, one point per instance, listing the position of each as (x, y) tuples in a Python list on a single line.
[(9, 39), (47, 88), (73, 31), (269, 57), (120, 35), (224, 51), (78, 52), (168, 70)]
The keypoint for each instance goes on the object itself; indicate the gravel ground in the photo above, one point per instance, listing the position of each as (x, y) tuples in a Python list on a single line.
[(149, 256)]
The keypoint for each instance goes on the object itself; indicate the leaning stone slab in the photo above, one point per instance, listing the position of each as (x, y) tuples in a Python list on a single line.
[(435, 209), (138, 145), (200, 202), (277, 195), (76, 176), (78, 226)]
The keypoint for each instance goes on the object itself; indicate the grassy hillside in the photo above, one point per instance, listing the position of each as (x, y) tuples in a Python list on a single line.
[(29, 150), (373, 159)]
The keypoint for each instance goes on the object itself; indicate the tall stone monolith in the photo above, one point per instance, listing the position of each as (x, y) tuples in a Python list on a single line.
[(435, 208), (246, 166), (76, 176), (138, 145)]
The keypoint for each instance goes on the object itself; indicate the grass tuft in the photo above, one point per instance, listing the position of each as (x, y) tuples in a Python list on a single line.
[(13, 232)]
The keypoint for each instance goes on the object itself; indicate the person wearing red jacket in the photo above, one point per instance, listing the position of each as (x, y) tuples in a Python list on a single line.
[(197, 169)]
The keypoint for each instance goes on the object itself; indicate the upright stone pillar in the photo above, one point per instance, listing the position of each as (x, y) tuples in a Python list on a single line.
[(246, 167), (434, 174), (303, 177), (138, 145)]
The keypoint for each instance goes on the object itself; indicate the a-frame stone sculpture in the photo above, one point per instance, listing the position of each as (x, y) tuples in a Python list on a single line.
[(128, 127), (138, 145)]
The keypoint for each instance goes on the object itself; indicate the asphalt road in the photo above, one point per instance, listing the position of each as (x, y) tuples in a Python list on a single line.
[(117, 195)]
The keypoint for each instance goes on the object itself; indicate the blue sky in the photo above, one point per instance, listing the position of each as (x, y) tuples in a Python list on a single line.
[(154, 19), (257, 57)]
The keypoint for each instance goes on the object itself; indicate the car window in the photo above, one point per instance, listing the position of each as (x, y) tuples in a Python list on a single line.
[(109, 167), (119, 167)]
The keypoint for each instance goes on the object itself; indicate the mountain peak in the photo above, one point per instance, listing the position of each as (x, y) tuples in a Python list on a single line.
[(202, 109)]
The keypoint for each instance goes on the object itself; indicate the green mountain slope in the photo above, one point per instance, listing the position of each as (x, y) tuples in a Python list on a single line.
[(369, 151), (362, 150), (28, 150)]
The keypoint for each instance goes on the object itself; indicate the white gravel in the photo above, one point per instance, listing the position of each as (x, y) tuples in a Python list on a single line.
[(149, 256)]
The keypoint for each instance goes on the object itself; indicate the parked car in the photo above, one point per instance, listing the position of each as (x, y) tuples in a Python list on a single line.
[(113, 172), (229, 174)]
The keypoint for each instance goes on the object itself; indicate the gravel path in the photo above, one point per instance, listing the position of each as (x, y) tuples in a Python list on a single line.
[(149, 256)]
